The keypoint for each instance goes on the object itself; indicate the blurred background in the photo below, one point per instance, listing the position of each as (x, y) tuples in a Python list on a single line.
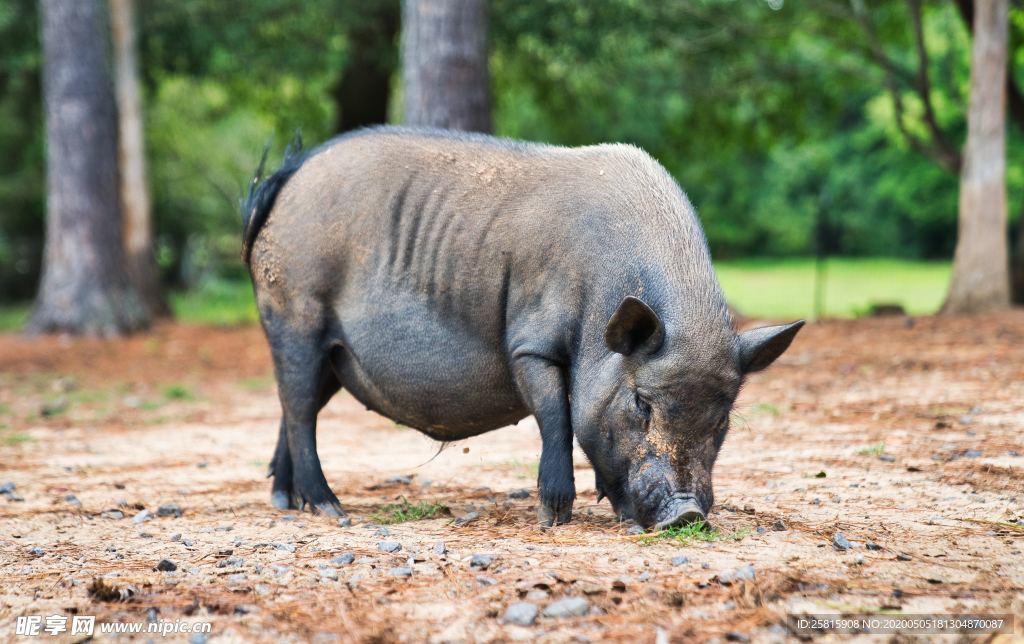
[(832, 148)]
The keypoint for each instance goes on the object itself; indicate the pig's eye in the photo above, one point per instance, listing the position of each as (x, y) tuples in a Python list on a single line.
[(642, 407)]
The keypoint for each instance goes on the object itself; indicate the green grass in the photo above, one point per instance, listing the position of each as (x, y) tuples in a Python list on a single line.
[(406, 511), (178, 392), (698, 531), (872, 450), (768, 288), (784, 288), (14, 438)]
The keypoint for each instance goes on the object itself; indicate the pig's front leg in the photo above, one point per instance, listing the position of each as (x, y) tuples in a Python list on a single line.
[(542, 386)]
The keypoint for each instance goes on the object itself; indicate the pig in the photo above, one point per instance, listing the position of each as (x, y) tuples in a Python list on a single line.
[(457, 283)]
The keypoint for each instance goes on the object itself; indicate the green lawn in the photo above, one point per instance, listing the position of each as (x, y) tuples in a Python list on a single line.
[(779, 289), (768, 288)]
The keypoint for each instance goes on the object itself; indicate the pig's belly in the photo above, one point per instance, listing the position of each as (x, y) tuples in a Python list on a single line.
[(409, 364)]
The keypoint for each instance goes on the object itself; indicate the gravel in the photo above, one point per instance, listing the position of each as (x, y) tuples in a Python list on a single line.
[(141, 516), (743, 573), (635, 529), (567, 607), (484, 580), (481, 561), (112, 514), (401, 571), (679, 560), (71, 499), (871, 545), (399, 480), (382, 531), (169, 510), (779, 525), (520, 613), (467, 518), (345, 522), (343, 559), (166, 565), (389, 546), (440, 548), (36, 551), (521, 493), (285, 547), (326, 572), (839, 542)]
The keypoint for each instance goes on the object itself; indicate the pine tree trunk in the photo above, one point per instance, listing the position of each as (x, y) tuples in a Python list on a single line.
[(84, 288), (444, 64), (980, 267), (135, 204)]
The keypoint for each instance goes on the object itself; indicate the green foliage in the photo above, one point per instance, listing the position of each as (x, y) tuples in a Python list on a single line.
[(405, 510), (872, 450)]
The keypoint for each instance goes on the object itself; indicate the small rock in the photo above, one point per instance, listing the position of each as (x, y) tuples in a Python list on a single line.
[(382, 531), (484, 580), (53, 407), (166, 565), (839, 542), (644, 576), (71, 499), (972, 453), (635, 529), (440, 548), (169, 510), (112, 514), (7, 487), (345, 522), (761, 529), (744, 573), (537, 595), (902, 557), (467, 518), (481, 561), (176, 536), (888, 458), (188, 543), (236, 578), (871, 545), (401, 479), (326, 572), (779, 525), (232, 562), (567, 607), (198, 638), (285, 547), (736, 636), (520, 614), (389, 546), (858, 559), (343, 559), (706, 565), (401, 571), (679, 560), (141, 516), (521, 493), (36, 551)]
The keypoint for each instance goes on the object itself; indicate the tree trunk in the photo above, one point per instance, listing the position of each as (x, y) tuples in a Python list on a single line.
[(444, 64), (84, 288), (361, 94), (980, 268), (1017, 271), (135, 204)]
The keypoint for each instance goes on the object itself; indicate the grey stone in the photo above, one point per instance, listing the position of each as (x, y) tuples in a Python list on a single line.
[(327, 572), (343, 559), (169, 510), (481, 561), (389, 546), (679, 560), (166, 565), (141, 516), (743, 573), (521, 493), (401, 571), (567, 607), (839, 542), (285, 547), (520, 614)]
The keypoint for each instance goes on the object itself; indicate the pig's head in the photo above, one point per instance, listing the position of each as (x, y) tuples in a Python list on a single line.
[(653, 412)]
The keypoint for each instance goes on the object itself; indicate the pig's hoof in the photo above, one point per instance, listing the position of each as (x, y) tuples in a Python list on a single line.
[(319, 499), (548, 515), (281, 500)]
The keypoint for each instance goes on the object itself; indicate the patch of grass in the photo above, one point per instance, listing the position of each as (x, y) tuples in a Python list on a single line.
[(784, 288), (766, 408), (872, 450), (178, 392), (698, 531), (15, 438), (14, 316), (405, 510), (526, 470), (217, 302), (258, 383), (5, 409)]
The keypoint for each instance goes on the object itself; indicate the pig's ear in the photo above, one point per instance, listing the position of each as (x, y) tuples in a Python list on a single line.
[(760, 347), (634, 326)]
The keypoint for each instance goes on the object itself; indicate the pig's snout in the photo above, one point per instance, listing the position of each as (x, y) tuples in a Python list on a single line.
[(680, 511)]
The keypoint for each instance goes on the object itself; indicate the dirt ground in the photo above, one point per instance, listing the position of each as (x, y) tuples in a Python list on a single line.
[(904, 433)]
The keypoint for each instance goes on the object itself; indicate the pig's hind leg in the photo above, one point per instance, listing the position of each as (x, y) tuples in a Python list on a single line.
[(282, 491), (304, 383)]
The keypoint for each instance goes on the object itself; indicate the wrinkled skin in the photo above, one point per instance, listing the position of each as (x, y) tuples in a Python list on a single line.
[(458, 283)]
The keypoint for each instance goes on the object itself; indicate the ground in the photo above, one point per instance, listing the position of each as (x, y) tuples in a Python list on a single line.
[(906, 433)]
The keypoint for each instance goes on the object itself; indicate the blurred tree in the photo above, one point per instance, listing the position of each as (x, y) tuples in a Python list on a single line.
[(980, 279), (135, 203), (84, 288), (363, 89), (445, 75)]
